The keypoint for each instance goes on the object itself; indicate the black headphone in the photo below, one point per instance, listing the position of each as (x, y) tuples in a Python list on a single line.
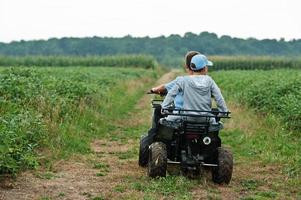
[(192, 67)]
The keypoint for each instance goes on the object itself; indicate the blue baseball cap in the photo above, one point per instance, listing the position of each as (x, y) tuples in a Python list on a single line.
[(199, 62)]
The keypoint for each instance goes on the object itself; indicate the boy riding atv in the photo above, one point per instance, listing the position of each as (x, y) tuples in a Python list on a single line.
[(189, 136), (197, 88), (162, 90)]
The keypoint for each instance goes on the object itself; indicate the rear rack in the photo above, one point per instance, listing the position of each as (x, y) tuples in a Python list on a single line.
[(198, 122), (197, 113)]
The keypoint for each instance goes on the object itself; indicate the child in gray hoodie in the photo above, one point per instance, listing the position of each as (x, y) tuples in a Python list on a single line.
[(197, 89)]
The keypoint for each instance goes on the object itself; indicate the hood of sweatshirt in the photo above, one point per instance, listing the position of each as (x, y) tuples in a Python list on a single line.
[(199, 83)]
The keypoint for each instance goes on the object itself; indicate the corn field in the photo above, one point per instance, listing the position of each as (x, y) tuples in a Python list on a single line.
[(142, 61), (254, 62)]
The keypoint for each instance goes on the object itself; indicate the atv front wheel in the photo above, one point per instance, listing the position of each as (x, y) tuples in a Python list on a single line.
[(157, 160), (223, 172), (143, 151)]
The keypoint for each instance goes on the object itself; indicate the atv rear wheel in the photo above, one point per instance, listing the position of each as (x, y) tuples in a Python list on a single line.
[(157, 160), (143, 151), (223, 172)]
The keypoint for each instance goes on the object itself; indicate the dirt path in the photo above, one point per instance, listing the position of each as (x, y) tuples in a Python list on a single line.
[(99, 175)]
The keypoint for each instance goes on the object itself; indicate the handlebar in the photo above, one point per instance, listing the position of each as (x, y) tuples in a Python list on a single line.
[(152, 92)]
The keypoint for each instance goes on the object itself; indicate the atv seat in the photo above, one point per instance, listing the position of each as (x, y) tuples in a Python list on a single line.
[(174, 124)]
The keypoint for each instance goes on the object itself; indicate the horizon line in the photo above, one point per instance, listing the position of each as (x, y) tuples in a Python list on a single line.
[(147, 36)]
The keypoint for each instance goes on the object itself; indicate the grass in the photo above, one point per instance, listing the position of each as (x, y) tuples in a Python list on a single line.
[(104, 168), (280, 144), (270, 151), (266, 155), (172, 187), (98, 198), (46, 175), (275, 92), (62, 110)]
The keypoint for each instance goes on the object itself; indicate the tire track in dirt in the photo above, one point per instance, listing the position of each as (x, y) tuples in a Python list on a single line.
[(99, 174)]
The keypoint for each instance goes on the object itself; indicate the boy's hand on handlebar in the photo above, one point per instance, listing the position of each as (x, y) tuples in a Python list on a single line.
[(156, 91), (166, 111), (153, 91), (161, 90), (150, 91)]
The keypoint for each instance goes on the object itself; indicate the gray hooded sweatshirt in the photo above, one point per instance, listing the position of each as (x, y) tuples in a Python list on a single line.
[(197, 92)]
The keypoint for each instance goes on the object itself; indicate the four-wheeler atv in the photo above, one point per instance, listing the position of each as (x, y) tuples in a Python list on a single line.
[(192, 141)]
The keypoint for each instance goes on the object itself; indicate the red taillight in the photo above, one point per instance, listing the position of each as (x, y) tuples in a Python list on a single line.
[(191, 136)]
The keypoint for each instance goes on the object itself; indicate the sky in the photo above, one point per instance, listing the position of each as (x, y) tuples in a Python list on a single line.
[(44, 19)]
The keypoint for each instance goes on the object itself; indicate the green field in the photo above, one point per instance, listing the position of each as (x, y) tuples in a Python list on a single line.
[(141, 61), (149, 62), (254, 62), (274, 91), (275, 98), (61, 109), (50, 114)]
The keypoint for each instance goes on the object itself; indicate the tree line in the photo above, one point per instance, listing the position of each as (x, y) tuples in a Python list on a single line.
[(167, 50)]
